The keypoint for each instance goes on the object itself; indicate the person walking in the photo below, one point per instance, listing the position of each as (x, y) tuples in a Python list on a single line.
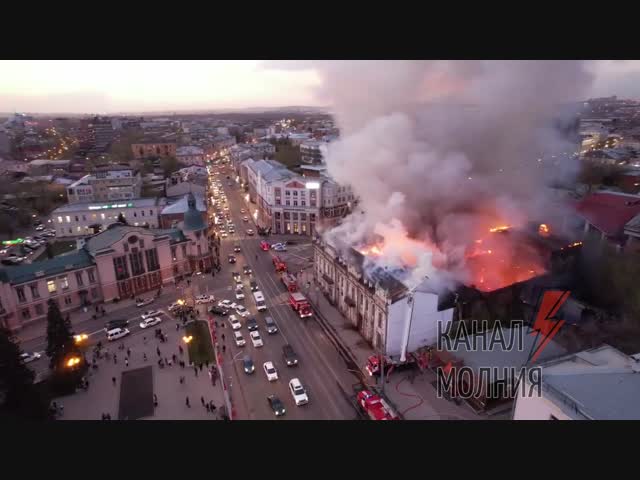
[(173, 357), (180, 349), (128, 352), (113, 380), (158, 350), (144, 340), (126, 362), (187, 402), (202, 401), (195, 369), (222, 336), (115, 359)]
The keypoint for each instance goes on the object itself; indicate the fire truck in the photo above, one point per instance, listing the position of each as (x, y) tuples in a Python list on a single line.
[(290, 282), (264, 246), (300, 304), (279, 264), (421, 358), (375, 406)]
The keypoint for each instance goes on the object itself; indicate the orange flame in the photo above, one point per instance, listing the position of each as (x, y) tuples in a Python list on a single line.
[(544, 230), (373, 250), (500, 228)]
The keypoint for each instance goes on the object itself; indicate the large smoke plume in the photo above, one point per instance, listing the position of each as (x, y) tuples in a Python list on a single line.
[(438, 151)]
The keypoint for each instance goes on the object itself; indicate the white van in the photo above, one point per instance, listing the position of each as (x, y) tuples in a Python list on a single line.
[(117, 333), (259, 299)]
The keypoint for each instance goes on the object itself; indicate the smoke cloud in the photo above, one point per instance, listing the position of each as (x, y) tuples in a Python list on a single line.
[(439, 151)]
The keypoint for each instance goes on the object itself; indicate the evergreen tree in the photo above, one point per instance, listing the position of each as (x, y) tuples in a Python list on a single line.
[(121, 219), (19, 397), (59, 336)]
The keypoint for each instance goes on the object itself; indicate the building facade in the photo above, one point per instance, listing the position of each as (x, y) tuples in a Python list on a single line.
[(80, 219), (376, 303), (107, 183), (289, 203), (153, 148), (313, 152), (190, 155), (121, 262)]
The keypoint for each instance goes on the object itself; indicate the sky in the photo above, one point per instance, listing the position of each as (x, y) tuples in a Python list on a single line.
[(114, 86)]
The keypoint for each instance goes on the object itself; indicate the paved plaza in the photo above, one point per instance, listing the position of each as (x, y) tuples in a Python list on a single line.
[(104, 397)]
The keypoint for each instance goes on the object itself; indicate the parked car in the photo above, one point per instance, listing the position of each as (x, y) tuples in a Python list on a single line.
[(243, 312), (270, 371), (218, 311), (239, 294), (252, 324), (143, 302), (30, 357), (200, 299), (234, 322), (256, 339), (239, 339), (227, 304)]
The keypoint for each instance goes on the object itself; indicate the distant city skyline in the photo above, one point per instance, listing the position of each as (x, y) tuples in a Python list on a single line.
[(127, 86)]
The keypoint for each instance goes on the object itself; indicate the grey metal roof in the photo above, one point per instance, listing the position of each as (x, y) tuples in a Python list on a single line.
[(49, 267), (136, 203), (601, 396), (182, 205)]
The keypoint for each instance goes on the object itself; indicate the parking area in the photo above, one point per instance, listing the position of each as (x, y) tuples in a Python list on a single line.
[(123, 385)]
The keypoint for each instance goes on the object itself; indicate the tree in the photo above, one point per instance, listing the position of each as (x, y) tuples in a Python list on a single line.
[(59, 336), (169, 165), (121, 219), (19, 397)]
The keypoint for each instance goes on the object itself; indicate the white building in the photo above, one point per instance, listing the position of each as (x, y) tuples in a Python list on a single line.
[(290, 203), (79, 219), (597, 384), (106, 184), (299, 138), (190, 155), (378, 304)]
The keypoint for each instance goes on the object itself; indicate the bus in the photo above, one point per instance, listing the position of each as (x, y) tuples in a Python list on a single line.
[(259, 299)]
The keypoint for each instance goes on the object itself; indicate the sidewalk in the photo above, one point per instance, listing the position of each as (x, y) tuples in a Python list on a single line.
[(415, 400)]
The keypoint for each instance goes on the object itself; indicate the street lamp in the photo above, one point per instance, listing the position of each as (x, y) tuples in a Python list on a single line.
[(187, 339), (80, 338), (72, 362)]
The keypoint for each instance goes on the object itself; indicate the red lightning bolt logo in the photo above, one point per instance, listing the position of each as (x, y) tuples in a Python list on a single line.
[(546, 323)]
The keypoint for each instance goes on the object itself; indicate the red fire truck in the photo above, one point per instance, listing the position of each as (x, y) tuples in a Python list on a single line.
[(375, 406), (279, 264), (300, 304), (422, 357), (264, 246), (290, 282)]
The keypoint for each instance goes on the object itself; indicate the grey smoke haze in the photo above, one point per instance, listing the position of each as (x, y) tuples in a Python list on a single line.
[(433, 177)]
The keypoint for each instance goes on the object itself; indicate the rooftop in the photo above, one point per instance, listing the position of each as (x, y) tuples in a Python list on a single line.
[(609, 211), (182, 205), (135, 203), (116, 232), (54, 266)]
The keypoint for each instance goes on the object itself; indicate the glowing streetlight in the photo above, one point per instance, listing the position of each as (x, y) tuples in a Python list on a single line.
[(80, 338), (73, 361), (187, 339)]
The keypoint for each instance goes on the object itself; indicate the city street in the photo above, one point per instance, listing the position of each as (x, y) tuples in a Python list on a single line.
[(320, 367)]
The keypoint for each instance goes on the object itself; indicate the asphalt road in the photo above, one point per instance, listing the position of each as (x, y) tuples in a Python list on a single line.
[(320, 367)]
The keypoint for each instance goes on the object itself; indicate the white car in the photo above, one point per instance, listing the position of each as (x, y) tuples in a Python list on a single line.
[(280, 248), (228, 304), (237, 336), (235, 323), (143, 302), (39, 228), (256, 339), (239, 294), (150, 322), (205, 299), (297, 392), (270, 371), (149, 314), (30, 357), (239, 284), (223, 234), (117, 333), (243, 312)]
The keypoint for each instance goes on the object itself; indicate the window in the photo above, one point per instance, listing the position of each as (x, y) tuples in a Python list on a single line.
[(77, 219), (137, 267), (125, 246), (184, 251), (67, 300), (34, 290), (173, 253), (295, 203), (199, 250), (79, 279), (287, 203), (94, 293), (51, 286), (20, 293), (287, 193), (39, 309), (84, 218), (120, 267), (70, 230), (303, 203), (92, 278), (151, 212), (59, 219), (26, 314), (278, 201), (68, 218), (152, 259), (295, 193), (135, 214)]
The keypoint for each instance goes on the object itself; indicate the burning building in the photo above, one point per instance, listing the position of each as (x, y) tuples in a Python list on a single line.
[(387, 313)]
